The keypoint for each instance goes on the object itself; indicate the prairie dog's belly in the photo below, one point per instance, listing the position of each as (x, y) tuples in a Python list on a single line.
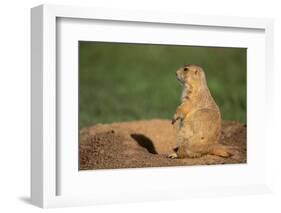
[(201, 125)]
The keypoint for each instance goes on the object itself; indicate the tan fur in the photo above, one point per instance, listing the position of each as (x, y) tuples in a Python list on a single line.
[(198, 116)]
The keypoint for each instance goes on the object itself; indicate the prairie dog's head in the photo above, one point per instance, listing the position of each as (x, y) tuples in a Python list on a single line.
[(191, 75)]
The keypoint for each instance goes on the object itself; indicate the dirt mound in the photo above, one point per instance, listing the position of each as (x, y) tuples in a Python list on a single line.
[(147, 143)]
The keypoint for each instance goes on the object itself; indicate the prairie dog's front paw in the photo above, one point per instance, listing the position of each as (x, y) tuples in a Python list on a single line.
[(176, 117), (173, 121)]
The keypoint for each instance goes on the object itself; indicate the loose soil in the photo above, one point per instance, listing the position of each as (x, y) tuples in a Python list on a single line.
[(147, 143)]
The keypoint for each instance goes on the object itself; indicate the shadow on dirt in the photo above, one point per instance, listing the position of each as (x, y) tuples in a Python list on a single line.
[(145, 142)]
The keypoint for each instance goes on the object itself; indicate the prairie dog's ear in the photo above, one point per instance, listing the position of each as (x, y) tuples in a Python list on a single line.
[(195, 74)]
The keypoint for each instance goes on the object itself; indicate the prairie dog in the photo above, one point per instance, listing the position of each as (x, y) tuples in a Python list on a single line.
[(198, 116)]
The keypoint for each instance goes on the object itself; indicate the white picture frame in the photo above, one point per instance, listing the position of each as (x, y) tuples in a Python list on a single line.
[(55, 180)]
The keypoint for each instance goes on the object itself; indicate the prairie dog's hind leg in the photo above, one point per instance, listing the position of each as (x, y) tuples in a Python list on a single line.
[(184, 152), (173, 155), (179, 141)]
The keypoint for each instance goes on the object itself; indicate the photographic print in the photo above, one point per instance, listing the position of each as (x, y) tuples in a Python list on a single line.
[(151, 105)]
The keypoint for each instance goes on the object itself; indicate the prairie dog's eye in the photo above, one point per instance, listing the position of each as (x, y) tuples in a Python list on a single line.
[(185, 69)]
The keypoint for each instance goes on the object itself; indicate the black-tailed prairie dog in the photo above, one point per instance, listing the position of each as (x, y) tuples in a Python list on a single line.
[(198, 116)]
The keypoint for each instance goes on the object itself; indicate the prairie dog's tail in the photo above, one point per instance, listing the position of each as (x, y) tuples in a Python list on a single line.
[(220, 150)]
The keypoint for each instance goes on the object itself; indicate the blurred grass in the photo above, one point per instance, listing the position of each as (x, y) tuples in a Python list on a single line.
[(122, 82)]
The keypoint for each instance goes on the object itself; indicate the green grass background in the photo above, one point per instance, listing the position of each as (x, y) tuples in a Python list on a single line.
[(122, 82)]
